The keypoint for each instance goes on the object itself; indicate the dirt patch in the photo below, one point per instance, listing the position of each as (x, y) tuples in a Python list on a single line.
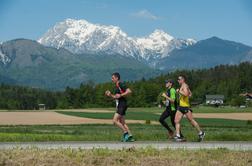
[(87, 110), (42, 118), (37, 118), (235, 116)]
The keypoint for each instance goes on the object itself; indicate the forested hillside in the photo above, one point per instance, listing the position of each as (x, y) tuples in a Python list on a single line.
[(224, 79)]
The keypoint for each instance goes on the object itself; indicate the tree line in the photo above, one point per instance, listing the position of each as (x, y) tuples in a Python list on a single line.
[(228, 80)]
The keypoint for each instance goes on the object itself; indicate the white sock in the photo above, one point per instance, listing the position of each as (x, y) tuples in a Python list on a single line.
[(200, 133)]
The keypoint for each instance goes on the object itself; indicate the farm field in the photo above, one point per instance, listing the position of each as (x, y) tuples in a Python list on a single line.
[(96, 125)]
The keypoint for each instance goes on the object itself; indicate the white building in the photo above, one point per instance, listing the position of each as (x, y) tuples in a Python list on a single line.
[(214, 99)]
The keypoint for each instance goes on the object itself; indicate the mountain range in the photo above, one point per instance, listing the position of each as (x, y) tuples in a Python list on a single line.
[(80, 36), (76, 51)]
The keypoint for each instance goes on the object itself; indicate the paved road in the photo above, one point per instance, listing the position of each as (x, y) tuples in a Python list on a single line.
[(120, 145)]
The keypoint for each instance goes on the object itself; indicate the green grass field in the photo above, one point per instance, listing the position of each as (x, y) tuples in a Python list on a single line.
[(216, 129), (124, 157), (197, 109)]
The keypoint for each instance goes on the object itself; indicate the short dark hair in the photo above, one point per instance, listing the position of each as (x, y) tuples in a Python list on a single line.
[(183, 76), (117, 75)]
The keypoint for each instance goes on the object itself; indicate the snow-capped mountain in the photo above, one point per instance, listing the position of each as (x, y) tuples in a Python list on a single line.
[(80, 36), (159, 44), (4, 59)]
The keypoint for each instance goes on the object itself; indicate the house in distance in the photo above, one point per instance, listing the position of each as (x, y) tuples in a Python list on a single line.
[(215, 100)]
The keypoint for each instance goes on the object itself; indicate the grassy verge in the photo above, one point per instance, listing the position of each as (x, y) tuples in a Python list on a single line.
[(199, 109), (216, 130), (126, 157), (130, 115)]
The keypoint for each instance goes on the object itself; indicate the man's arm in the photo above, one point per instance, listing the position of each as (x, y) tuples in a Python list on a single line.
[(126, 93), (114, 96), (190, 92), (185, 91), (172, 98), (117, 96)]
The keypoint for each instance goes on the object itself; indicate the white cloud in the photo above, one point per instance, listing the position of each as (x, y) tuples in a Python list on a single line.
[(145, 14)]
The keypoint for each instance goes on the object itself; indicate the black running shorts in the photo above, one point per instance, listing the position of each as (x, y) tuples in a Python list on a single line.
[(122, 107), (184, 110)]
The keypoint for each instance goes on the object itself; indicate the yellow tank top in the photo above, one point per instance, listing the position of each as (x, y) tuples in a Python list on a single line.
[(184, 101)]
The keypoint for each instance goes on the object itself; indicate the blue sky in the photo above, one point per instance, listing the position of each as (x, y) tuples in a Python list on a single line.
[(198, 19)]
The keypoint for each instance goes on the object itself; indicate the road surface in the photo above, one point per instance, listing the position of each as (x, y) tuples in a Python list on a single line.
[(121, 145)]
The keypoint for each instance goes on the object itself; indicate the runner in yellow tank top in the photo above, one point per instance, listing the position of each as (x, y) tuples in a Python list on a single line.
[(184, 109)]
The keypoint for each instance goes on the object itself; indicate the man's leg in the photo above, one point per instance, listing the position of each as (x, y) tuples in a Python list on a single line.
[(162, 118), (201, 133), (190, 118), (173, 114), (122, 121), (127, 136), (178, 118), (116, 120)]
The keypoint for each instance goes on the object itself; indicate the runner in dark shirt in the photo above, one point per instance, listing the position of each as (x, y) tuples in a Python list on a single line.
[(121, 91)]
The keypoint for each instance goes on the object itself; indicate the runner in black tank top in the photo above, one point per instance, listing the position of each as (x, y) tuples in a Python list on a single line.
[(120, 93)]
